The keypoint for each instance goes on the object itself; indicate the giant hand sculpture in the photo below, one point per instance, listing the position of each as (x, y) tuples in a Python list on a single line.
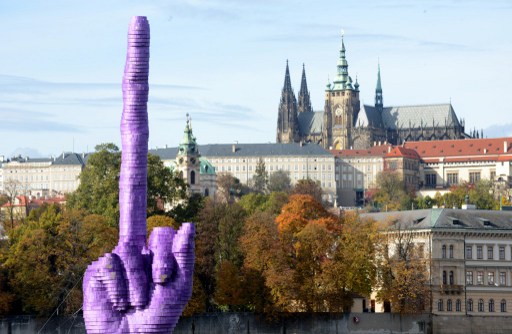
[(138, 289)]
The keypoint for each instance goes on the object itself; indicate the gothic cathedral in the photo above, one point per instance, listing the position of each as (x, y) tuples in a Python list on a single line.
[(345, 123)]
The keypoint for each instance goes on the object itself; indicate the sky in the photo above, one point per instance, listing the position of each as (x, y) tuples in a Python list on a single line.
[(223, 62)]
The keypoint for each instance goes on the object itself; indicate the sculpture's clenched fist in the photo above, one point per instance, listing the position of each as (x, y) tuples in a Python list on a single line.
[(138, 288)]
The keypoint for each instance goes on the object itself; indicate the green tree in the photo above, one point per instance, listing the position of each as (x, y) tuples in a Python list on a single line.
[(164, 186), (98, 192), (229, 188), (260, 177), (279, 181), (390, 191)]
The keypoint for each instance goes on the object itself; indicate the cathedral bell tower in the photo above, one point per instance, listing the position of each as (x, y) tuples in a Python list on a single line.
[(187, 159), (379, 103), (287, 121), (341, 107)]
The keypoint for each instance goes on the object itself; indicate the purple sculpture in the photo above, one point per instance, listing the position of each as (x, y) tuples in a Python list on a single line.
[(138, 289)]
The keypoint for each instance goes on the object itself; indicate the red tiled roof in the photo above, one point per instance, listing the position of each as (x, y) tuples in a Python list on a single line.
[(380, 150), (22, 201), (399, 151), (461, 147)]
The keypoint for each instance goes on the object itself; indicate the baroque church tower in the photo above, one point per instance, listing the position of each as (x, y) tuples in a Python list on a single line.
[(187, 159), (341, 107), (287, 121)]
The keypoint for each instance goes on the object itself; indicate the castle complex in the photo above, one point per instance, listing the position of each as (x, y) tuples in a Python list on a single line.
[(346, 124)]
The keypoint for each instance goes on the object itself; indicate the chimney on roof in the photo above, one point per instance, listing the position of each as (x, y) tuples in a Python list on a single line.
[(379, 143), (83, 155), (301, 143), (233, 148), (505, 146), (485, 151), (389, 148), (63, 155), (374, 143)]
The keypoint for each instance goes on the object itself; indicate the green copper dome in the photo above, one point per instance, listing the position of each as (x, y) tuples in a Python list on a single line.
[(188, 144), (206, 167)]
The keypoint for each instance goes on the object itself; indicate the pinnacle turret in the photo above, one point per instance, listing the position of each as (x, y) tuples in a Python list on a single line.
[(379, 102), (287, 121), (304, 100)]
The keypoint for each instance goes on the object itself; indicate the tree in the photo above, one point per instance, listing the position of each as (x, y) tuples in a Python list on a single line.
[(279, 181), (309, 187), (390, 191), (352, 266), (160, 221), (12, 188), (260, 177), (47, 257), (404, 280), (164, 186), (272, 202), (229, 292), (98, 192), (188, 210), (229, 188)]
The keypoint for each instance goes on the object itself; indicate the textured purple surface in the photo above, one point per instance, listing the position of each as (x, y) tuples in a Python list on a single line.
[(138, 289)]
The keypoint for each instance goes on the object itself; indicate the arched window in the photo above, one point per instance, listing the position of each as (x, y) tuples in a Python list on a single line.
[(192, 177), (503, 305), (470, 305), (451, 278), (458, 305), (440, 306), (449, 305), (444, 277), (206, 192), (444, 252), (491, 305), (480, 305), (450, 253)]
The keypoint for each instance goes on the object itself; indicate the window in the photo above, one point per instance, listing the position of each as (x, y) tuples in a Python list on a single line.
[(480, 305), (440, 306), (479, 252), (458, 305), (502, 252), (474, 177), (444, 277), (469, 252), (491, 305), (452, 279), (493, 175), (452, 178), (451, 252), (479, 277), (469, 277), (192, 177), (449, 305), (503, 278), (470, 305), (443, 253), (503, 305), (490, 252), (430, 180), (490, 278)]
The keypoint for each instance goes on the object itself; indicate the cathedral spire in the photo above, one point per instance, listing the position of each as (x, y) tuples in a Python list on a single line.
[(304, 98), (379, 103), (287, 82), (342, 68), (287, 122)]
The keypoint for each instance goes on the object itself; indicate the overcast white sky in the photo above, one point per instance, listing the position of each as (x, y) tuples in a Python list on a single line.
[(223, 62)]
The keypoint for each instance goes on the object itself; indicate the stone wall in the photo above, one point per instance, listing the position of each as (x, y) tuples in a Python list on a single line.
[(242, 323)]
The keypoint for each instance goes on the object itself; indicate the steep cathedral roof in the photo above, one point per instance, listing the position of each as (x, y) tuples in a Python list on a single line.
[(310, 122), (414, 116)]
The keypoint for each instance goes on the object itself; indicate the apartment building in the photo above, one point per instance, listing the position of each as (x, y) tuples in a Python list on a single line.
[(470, 254)]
